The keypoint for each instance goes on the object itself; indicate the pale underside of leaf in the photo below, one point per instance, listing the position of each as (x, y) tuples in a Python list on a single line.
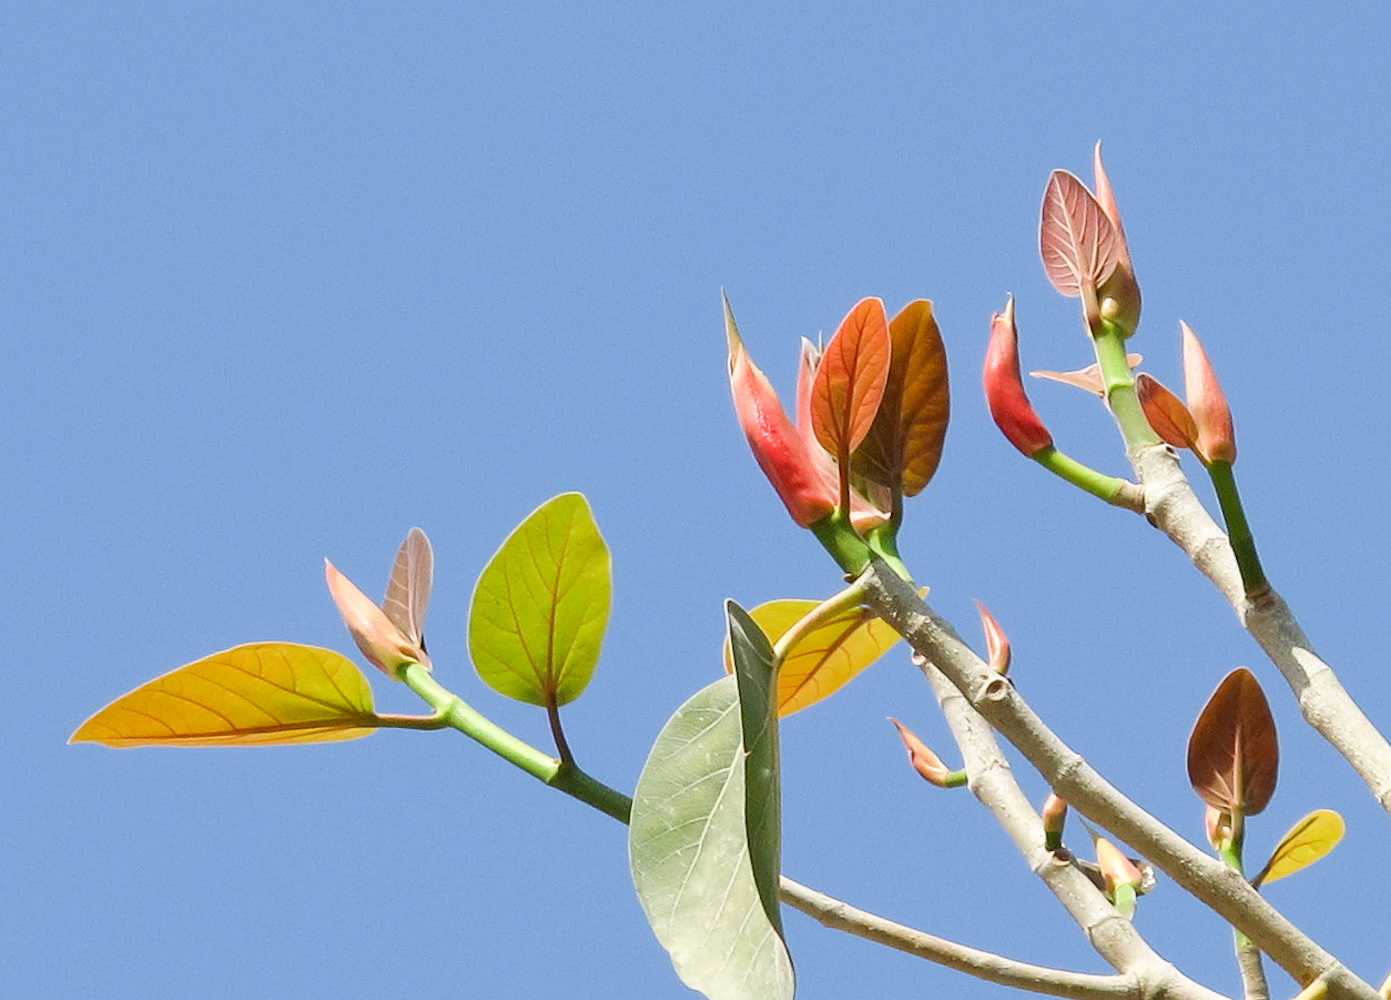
[(1079, 245), (541, 605), (688, 848), (252, 695), (408, 591)]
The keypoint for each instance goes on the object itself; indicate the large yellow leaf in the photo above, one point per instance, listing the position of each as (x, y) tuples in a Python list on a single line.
[(253, 695), (1308, 841), (827, 658)]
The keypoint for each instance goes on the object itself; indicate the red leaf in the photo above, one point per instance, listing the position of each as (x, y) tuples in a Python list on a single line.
[(1080, 246), (1233, 754), (904, 444), (850, 380)]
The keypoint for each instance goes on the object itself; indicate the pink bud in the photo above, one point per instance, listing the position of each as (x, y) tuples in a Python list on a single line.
[(996, 642), (1119, 294), (924, 761), (1219, 827), (1004, 389), (781, 452), (1054, 816), (380, 640), (1115, 867), (1206, 401)]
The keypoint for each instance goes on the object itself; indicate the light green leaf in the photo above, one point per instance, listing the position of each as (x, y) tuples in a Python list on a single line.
[(1307, 841), (756, 674), (541, 605), (688, 846)]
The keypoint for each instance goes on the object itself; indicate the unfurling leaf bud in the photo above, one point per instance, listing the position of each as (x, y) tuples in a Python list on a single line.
[(996, 642), (781, 452), (927, 763), (380, 640), (1054, 816), (1119, 294), (1166, 412), (1088, 378), (1206, 401), (1122, 876), (1004, 389)]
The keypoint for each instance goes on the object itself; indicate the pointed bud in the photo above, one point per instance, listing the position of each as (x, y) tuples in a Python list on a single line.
[(925, 762), (1088, 378), (781, 452), (1123, 878), (375, 634), (1119, 294), (1213, 418), (1166, 412), (996, 642), (1004, 389), (1054, 816)]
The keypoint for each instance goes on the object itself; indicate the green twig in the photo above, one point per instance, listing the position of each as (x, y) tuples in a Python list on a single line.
[(564, 776), (1120, 492), (1118, 383), (1238, 531)]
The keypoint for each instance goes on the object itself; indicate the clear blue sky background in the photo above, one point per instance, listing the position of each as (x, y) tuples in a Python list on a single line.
[(279, 281)]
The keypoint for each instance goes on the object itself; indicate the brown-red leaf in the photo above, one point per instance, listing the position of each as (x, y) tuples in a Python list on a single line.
[(904, 444), (1233, 754)]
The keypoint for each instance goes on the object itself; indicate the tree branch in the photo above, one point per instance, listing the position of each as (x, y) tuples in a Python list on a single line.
[(992, 781), (981, 964), (1174, 509), (1204, 877)]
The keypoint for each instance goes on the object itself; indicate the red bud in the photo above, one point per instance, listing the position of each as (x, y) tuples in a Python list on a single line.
[(781, 452), (1206, 401), (1004, 389)]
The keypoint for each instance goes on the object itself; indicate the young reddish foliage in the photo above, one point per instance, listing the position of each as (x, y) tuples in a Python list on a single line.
[(1206, 401), (1166, 412), (850, 380), (1004, 388), (1233, 754)]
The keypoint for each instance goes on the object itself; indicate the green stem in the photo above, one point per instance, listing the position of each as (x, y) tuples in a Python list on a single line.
[(1118, 383), (839, 538), (1238, 531), (851, 597), (883, 542), (566, 777), (1120, 492)]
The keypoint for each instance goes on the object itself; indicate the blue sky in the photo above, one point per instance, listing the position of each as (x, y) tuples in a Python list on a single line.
[(280, 281)]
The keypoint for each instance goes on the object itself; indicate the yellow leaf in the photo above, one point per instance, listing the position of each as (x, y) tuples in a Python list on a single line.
[(253, 695), (827, 658), (1308, 841)]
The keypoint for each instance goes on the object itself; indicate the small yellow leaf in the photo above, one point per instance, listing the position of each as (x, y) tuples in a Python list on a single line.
[(1308, 841), (827, 658), (253, 695)]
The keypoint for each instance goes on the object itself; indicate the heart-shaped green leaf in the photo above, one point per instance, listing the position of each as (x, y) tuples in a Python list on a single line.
[(541, 605), (850, 379), (904, 444), (689, 850), (1308, 840), (1233, 754), (254, 695), (827, 658)]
